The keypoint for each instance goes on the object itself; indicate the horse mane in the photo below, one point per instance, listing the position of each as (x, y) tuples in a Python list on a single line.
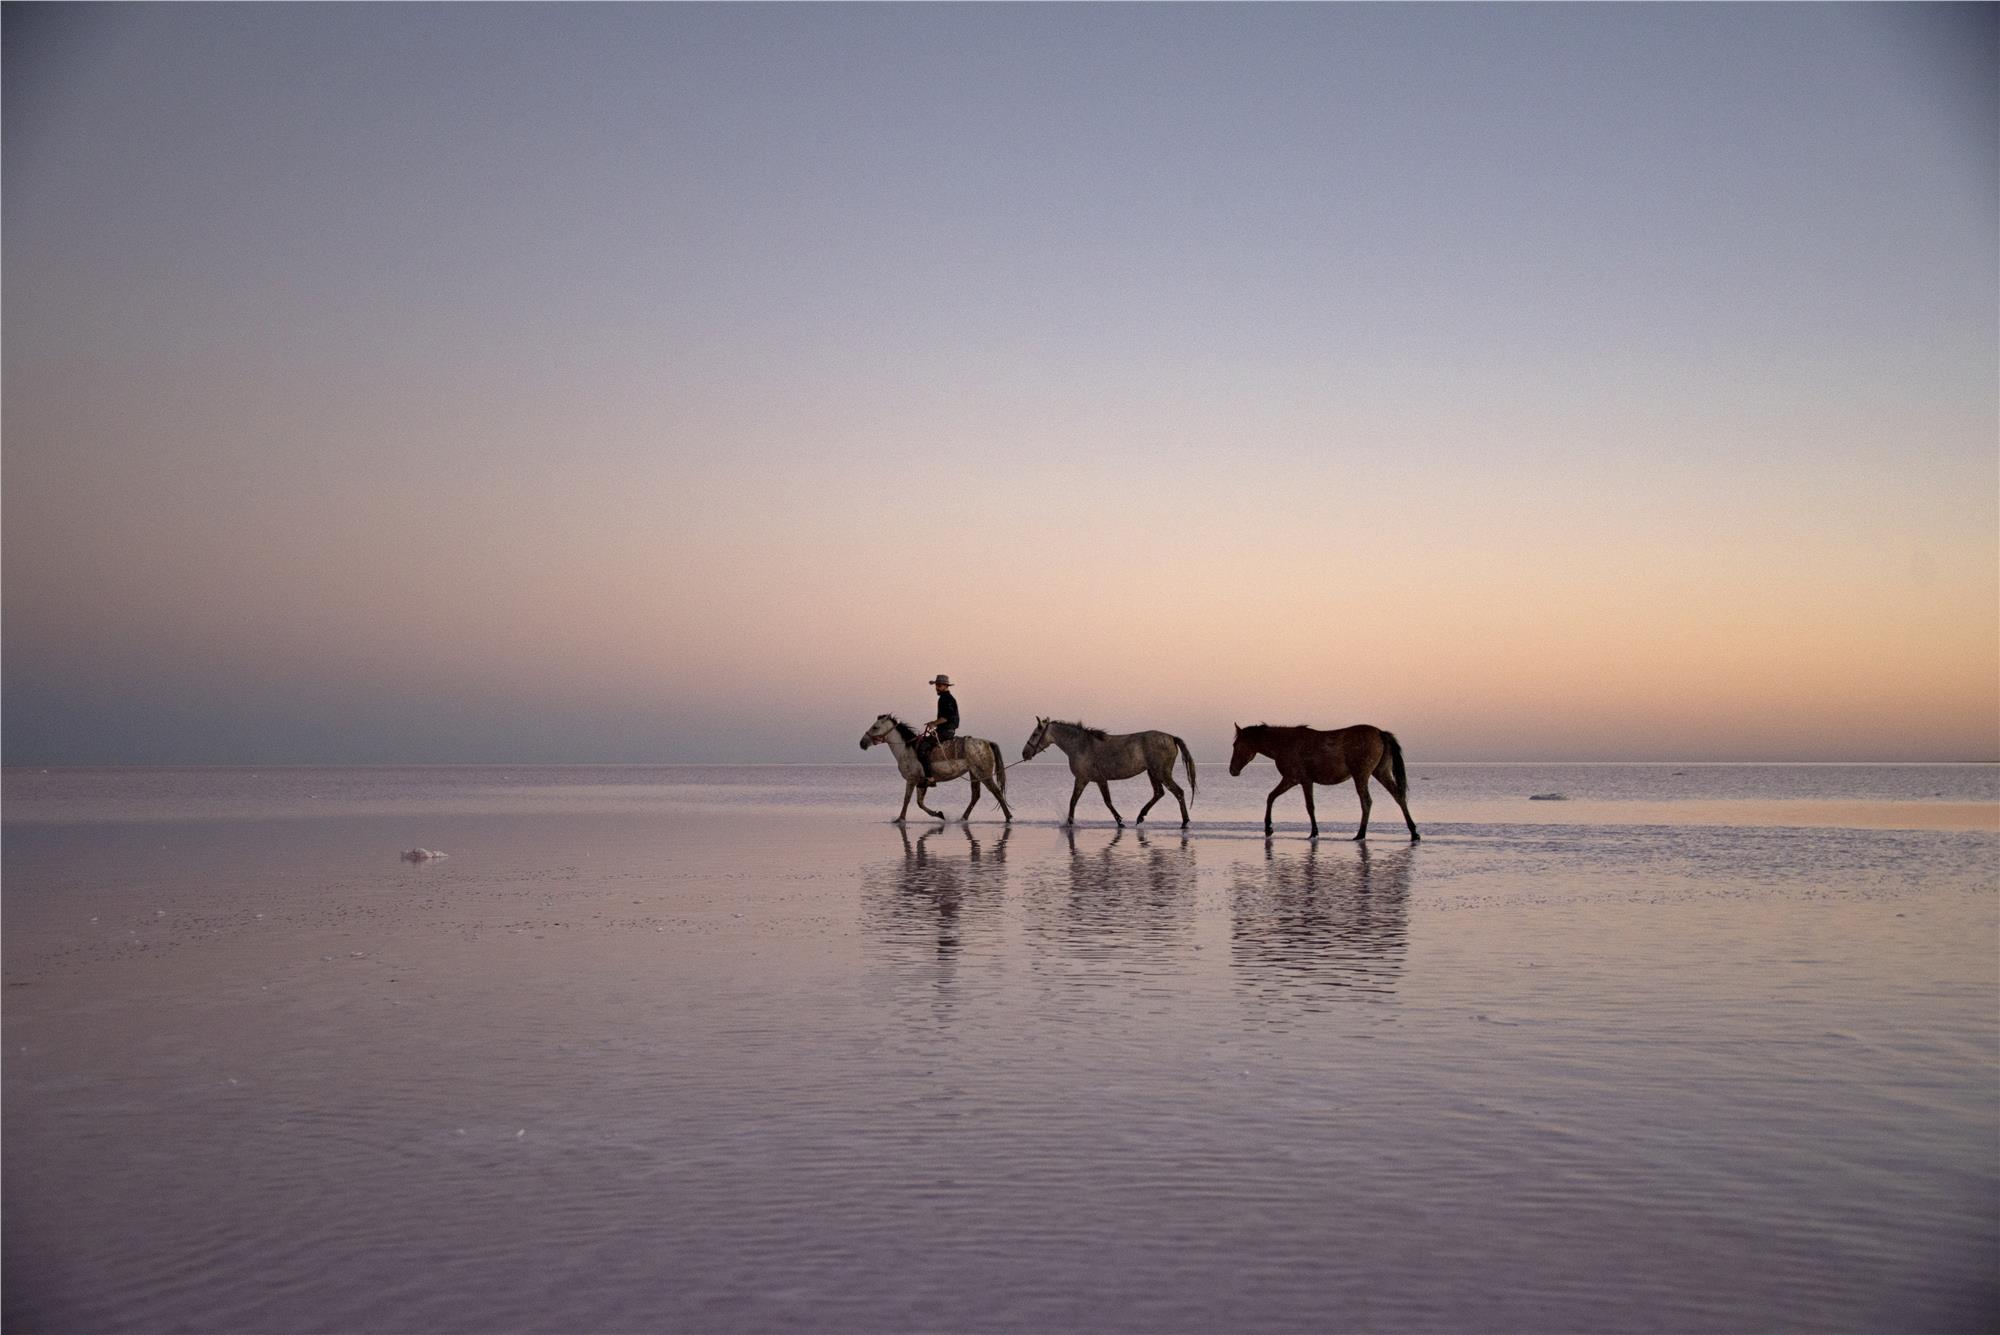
[(904, 730), (1096, 734), (1268, 727)]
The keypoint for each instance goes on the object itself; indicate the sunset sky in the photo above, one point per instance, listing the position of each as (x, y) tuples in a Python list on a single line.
[(691, 383)]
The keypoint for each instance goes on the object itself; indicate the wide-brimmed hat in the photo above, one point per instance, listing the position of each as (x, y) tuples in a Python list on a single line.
[(939, 680)]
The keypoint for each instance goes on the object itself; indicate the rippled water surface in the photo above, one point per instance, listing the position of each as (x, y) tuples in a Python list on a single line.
[(725, 1050)]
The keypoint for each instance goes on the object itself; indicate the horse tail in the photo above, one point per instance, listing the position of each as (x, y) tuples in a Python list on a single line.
[(1396, 762), (1187, 756), (999, 767)]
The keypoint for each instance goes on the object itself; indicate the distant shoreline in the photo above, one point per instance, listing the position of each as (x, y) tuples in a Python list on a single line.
[(33, 767)]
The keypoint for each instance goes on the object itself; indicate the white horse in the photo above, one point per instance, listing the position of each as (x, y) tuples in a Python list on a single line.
[(976, 756)]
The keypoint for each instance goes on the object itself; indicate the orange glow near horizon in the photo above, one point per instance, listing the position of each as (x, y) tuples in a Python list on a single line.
[(1197, 605)]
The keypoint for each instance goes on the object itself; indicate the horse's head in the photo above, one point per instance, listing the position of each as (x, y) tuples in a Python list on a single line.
[(878, 731), (1038, 739), (1244, 751)]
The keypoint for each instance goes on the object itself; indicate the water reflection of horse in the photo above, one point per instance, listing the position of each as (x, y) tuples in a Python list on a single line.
[(1322, 927), (1126, 899), (927, 898)]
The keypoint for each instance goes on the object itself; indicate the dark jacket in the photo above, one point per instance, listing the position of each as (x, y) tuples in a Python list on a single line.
[(947, 709)]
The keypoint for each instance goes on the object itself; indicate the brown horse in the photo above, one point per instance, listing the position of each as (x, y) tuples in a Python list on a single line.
[(1306, 756)]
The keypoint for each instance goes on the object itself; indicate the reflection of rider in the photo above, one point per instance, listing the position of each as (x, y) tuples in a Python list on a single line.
[(940, 729)]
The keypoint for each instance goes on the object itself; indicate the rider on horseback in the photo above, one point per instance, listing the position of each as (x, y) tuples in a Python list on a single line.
[(940, 729)]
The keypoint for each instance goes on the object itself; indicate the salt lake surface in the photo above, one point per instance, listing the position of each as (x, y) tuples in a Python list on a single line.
[(1700, 1048)]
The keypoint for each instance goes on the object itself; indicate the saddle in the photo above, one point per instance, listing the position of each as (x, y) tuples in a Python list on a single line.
[(951, 750)]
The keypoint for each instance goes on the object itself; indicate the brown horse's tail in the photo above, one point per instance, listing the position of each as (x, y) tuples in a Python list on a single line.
[(1187, 757), (1396, 762)]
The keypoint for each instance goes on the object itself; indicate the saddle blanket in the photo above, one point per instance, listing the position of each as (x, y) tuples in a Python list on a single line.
[(951, 750)]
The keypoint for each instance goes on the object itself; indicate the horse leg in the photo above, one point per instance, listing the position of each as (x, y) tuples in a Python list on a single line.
[(904, 814), (986, 775), (1105, 789), (923, 806), (1179, 797), (1361, 786), (1397, 791), (1284, 786), (1312, 812), (1074, 794), (1158, 793)]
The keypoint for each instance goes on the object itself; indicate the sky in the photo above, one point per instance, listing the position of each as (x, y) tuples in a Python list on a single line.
[(689, 383)]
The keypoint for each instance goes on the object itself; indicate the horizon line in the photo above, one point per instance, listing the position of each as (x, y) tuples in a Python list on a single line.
[(829, 764)]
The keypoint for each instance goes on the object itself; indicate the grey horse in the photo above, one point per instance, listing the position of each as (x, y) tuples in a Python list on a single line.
[(978, 760), (1096, 756)]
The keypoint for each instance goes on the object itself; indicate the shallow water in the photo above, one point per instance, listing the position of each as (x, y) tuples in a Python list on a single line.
[(723, 1050), (1962, 796)]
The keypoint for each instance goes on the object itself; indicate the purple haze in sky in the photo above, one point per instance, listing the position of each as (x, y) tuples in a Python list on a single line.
[(663, 383)]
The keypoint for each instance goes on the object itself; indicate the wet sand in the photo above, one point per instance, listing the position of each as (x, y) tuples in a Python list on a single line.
[(777, 1068)]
